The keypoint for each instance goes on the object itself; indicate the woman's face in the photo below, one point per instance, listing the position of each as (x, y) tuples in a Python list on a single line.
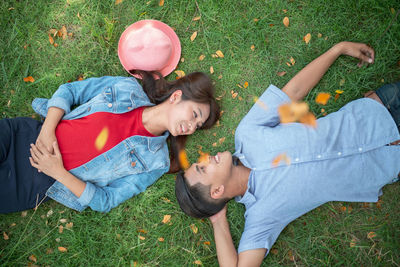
[(185, 116)]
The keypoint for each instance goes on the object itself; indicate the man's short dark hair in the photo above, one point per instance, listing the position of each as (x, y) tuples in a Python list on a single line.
[(196, 200)]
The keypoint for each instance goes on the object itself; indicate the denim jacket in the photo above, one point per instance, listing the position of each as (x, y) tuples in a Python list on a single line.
[(121, 172)]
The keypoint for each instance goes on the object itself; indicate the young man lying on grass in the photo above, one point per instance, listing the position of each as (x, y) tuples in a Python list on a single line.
[(349, 156)]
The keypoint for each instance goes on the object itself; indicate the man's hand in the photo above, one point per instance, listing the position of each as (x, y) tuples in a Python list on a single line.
[(46, 138), (49, 163), (361, 51)]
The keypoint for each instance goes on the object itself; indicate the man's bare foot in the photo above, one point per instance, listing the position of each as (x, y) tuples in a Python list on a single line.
[(373, 95)]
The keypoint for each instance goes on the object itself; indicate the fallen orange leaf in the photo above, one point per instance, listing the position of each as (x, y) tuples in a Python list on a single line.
[(62, 249), (292, 61), (194, 228), (69, 225), (219, 53), (101, 139), (141, 237), (5, 236), (198, 262), (60, 229), (166, 219), (307, 38), (286, 21), (211, 69), (252, 47), (193, 36), (371, 235), (353, 242), (32, 258), (207, 243), (64, 32), (183, 159), (29, 79), (51, 40), (117, 2), (180, 73), (196, 18), (319, 35), (161, 239), (322, 98), (201, 57), (246, 84), (337, 96), (281, 73), (142, 231), (161, 3)]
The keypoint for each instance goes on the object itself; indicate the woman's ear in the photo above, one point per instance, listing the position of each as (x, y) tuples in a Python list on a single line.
[(175, 96), (217, 192)]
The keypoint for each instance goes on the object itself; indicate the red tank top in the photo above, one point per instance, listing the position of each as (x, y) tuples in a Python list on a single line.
[(83, 139)]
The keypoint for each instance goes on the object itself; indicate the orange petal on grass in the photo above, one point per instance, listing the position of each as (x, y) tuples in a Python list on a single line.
[(371, 235), (286, 21), (201, 57), (179, 73), (292, 61), (166, 219), (196, 18), (5, 236), (183, 159), (337, 96), (211, 69), (194, 228), (207, 243), (198, 262), (322, 98), (101, 139), (62, 249), (219, 53), (161, 239), (51, 40), (29, 79), (161, 3), (117, 2), (307, 38), (193, 36), (246, 84)]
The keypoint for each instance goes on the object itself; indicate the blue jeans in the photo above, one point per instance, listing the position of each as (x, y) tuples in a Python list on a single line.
[(390, 97), (21, 185)]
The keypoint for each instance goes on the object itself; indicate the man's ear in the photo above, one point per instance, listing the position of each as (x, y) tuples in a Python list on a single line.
[(175, 96), (217, 192)]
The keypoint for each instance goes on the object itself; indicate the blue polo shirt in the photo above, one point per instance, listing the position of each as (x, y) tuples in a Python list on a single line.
[(345, 158)]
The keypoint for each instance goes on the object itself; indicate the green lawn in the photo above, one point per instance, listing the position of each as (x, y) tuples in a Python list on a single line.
[(336, 234)]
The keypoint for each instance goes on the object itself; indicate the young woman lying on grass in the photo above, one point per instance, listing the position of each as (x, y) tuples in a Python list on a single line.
[(349, 156), (109, 148)]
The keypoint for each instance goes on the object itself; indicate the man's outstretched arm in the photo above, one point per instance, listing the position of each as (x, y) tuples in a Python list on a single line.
[(226, 252), (305, 80)]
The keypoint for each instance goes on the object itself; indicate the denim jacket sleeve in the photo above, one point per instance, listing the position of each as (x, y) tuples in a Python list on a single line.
[(103, 199), (79, 92)]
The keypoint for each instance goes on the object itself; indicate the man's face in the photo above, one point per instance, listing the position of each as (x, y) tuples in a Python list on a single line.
[(214, 172)]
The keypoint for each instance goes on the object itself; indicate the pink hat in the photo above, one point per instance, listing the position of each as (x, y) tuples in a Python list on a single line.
[(149, 45)]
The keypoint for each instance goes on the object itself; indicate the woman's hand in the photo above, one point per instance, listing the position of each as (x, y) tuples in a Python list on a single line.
[(361, 51), (49, 163), (218, 216), (46, 137)]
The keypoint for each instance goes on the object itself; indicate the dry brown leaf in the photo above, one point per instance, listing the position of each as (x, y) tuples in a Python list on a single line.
[(196, 18), (180, 73), (161, 3), (274, 251), (5, 236), (69, 225), (51, 40), (29, 79), (193, 36), (194, 228), (371, 235), (307, 38), (211, 69), (201, 57), (322, 98), (161, 239), (319, 35), (214, 144), (62, 249), (166, 219), (117, 2), (60, 229), (198, 262), (234, 94), (219, 53), (353, 242), (292, 61), (286, 21), (281, 73), (221, 140), (64, 32), (32, 258)]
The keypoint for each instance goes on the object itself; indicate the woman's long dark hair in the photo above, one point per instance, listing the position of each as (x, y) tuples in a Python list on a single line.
[(196, 86)]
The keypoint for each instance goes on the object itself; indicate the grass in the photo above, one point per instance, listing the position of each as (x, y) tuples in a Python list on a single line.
[(320, 238)]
